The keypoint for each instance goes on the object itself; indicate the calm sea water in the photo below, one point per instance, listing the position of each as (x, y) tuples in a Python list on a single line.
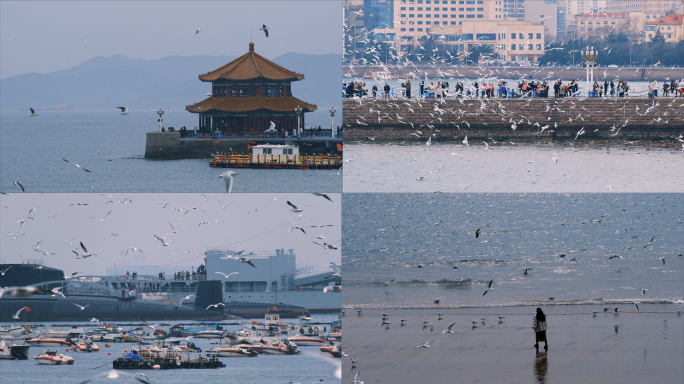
[(395, 167), (310, 365), (417, 240), (112, 147)]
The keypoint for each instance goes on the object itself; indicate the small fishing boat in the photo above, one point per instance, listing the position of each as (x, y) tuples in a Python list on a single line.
[(241, 350), (48, 341), (277, 347), (334, 350), (53, 358), (9, 351), (209, 333), (85, 345), (307, 341), (74, 332)]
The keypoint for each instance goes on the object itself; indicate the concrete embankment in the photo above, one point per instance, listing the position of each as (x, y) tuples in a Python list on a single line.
[(170, 146), (536, 120), (532, 73)]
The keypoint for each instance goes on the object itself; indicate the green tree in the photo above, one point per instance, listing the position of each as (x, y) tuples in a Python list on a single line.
[(658, 38)]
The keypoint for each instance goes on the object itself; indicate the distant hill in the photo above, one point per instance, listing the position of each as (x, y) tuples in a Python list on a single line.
[(170, 82)]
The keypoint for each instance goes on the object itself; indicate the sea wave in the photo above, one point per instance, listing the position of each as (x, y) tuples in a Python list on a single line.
[(522, 303)]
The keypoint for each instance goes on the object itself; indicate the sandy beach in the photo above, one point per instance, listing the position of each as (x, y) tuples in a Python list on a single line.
[(630, 347)]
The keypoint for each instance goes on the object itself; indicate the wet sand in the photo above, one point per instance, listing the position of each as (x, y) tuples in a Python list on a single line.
[(583, 348)]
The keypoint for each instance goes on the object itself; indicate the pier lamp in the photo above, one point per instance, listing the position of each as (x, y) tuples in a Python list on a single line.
[(298, 110), (332, 111), (590, 57), (160, 112)]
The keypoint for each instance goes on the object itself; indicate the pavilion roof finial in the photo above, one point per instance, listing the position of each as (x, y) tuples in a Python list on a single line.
[(251, 46)]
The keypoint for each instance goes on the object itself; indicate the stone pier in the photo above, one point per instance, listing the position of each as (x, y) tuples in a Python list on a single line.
[(533, 120)]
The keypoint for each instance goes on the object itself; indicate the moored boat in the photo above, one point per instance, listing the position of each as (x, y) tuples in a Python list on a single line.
[(307, 341), (85, 345), (9, 351), (47, 341), (51, 357), (241, 350), (334, 350)]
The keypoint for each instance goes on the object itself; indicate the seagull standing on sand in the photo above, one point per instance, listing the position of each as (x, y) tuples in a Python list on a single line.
[(265, 29), (356, 379), (124, 111), (228, 178)]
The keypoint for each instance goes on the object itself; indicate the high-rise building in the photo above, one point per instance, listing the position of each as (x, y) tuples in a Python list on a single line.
[(514, 9), (544, 12), (461, 25), (654, 9), (575, 7), (378, 14)]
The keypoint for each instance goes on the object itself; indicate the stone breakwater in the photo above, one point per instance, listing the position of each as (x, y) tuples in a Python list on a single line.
[(536, 120)]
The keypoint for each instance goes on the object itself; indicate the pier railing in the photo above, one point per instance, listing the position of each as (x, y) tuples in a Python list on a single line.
[(223, 160), (307, 134)]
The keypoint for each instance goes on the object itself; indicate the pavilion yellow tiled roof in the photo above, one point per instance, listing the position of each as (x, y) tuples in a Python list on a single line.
[(252, 103), (251, 66)]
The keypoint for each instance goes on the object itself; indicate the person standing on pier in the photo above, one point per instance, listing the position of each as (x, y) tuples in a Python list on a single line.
[(655, 88), (375, 91), (408, 89), (422, 89), (386, 91)]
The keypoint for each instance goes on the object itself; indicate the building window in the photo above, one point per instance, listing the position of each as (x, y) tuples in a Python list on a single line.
[(403, 8), (233, 91), (521, 36), (513, 47), (530, 46), (428, 16), (538, 36), (470, 16), (453, 9), (530, 36), (420, 15), (428, 9), (252, 90), (461, 9), (436, 16), (420, 29), (411, 8), (403, 29), (470, 9), (243, 90), (420, 8), (461, 16), (445, 22), (538, 47), (480, 16), (512, 36), (428, 22), (453, 23), (420, 22), (480, 1), (411, 14), (411, 29), (480, 9)]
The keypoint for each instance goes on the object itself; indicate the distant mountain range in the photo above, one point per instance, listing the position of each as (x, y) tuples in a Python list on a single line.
[(170, 82)]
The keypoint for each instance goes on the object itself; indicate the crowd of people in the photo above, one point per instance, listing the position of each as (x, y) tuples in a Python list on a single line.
[(502, 89), (184, 275)]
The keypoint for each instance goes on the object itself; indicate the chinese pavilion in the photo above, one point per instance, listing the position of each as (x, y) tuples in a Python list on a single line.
[(247, 94)]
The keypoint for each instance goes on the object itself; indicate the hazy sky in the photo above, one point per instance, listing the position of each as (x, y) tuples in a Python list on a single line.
[(256, 222), (47, 36)]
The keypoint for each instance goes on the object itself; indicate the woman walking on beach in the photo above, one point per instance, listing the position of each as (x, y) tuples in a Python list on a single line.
[(539, 325)]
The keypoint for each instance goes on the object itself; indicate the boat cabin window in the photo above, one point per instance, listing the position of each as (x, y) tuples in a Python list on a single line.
[(287, 151), (267, 151)]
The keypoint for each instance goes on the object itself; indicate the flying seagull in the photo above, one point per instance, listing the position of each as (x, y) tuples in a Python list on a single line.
[(124, 111), (215, 305), (228, 275), (525, 270), (20, 185), (228, 178), (449, 329), (323, 195), (332, 288), (294, 207), (197, 31), (82, 306), (242, 260), (389, 282), (636, 305), (489, 287), (16, 316), (33, 113), (265, 29), (78, 166), (426, 345), (477, 233)]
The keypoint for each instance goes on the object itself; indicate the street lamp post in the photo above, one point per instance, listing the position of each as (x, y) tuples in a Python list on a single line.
[(590, 57), (298, 110), (160, 112), (333, 129)]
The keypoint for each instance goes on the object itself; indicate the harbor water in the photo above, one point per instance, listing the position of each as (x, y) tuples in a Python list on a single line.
[(309, 365), (426, 245), (393, 166), (112, 147)]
